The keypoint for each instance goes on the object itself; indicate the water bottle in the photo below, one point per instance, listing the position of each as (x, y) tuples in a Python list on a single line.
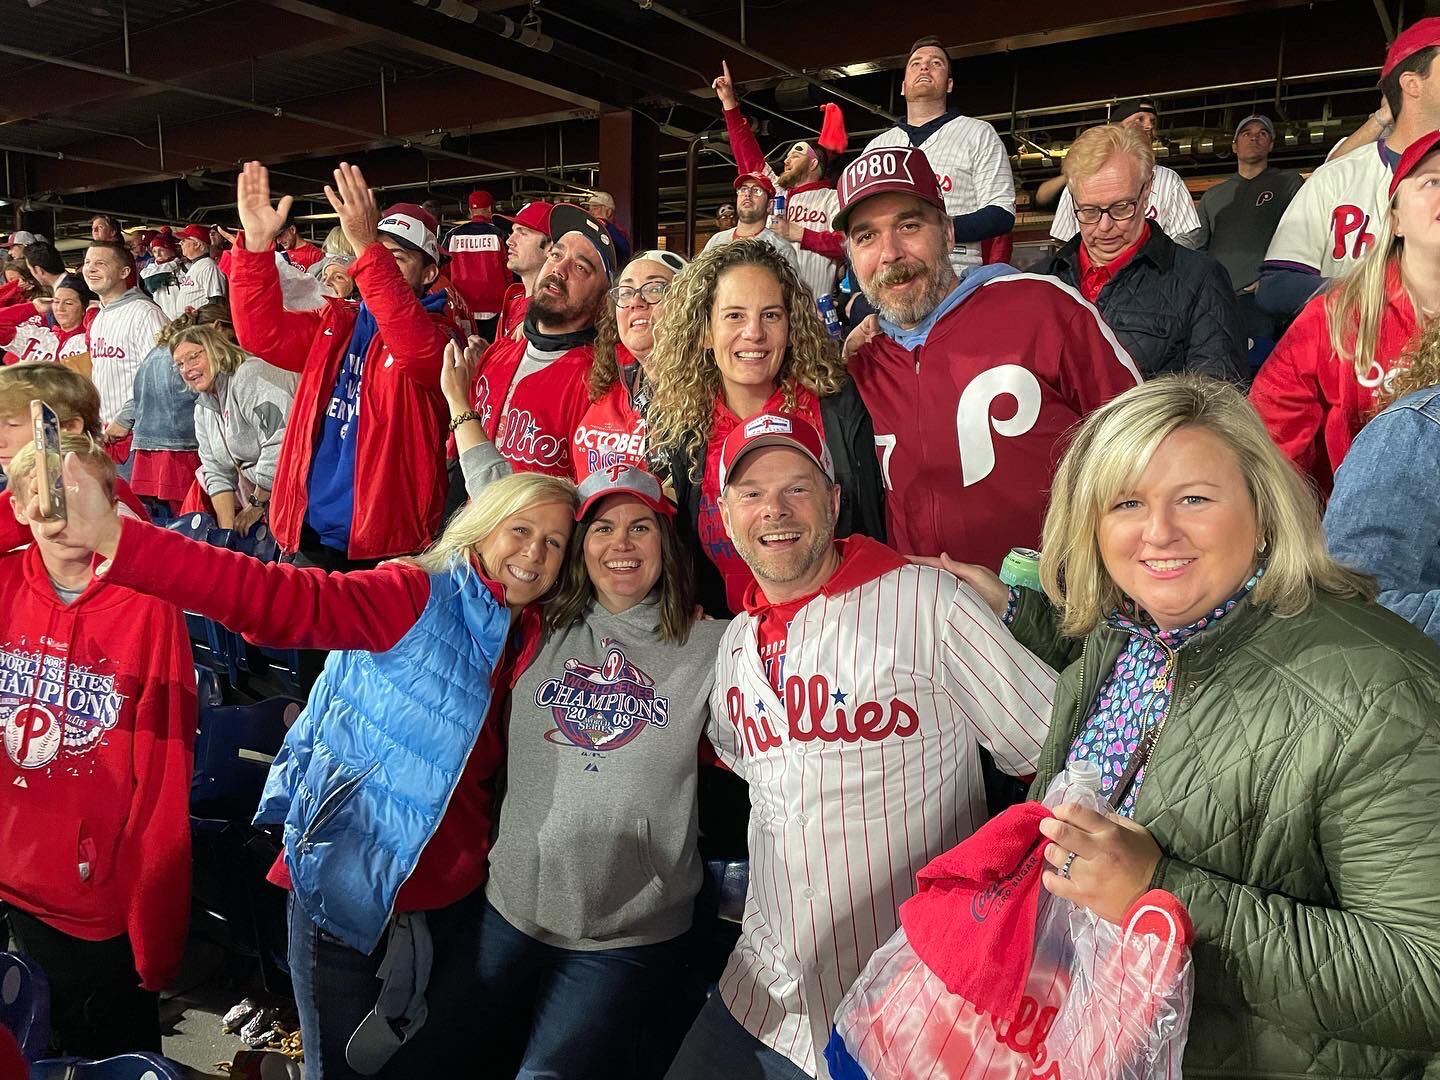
[(1079, 783), (777, 209), (828, 315)]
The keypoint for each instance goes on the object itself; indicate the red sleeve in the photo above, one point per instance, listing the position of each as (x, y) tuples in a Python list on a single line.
[(272, 604), (1286, 393), (126, 494), (11, 317), (12, 533), (263, 325), (748, 158), (410, 335), (830, 243), (155, 846)]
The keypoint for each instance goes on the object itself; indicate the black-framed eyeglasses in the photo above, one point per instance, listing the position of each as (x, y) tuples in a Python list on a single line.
[(1123, 210), (652, 292)]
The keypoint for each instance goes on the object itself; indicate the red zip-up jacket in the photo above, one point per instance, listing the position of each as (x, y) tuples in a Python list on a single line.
[(400, 477), (532, 420), (1312, 401), (286, 606), (971, 424), (98, 700)]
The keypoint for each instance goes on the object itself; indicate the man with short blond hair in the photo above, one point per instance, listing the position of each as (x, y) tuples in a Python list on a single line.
[(1172, 308)]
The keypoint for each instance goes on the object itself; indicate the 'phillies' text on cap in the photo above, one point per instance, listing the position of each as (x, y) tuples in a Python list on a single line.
[(774, 429), (413, 227), (623, 479), (1409, 41), (1410, 160), (903, 169)]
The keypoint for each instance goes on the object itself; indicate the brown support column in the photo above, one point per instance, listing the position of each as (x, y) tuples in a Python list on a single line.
[(630, 171)]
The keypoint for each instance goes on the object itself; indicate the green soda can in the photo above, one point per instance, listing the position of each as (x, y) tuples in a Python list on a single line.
[(1021, 569)]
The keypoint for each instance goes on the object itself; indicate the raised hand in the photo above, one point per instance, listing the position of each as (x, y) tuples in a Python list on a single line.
[(259, 220), (90, 524), (354, 203), (724, 87)]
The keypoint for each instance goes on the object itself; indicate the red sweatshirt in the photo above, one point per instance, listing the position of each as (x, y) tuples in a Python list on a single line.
[(288, 606), (970, 425), (1313, 402), (532, 417), (99, 704), (400, 479), (612, 431)]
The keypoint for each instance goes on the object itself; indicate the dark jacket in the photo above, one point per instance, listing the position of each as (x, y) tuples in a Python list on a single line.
[(1293, 792), (1172, 308), (851, 440)]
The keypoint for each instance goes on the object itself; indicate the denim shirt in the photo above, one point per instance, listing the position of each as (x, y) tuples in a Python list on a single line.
[(1384, 514), (162, 406)]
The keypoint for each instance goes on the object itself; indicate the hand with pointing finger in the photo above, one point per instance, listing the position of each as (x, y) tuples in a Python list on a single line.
[(724, 87), (259, 220)]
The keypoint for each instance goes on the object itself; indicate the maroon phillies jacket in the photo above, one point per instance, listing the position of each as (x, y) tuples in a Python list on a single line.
[(530, 401), (400, 454), (971, 423), (98, 698), (477, 266)]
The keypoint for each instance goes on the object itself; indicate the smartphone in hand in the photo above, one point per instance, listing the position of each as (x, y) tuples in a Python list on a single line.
[(49, 483)]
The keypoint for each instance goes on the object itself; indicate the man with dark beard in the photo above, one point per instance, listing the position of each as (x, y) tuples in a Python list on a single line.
[(530, 394), (972, 381)]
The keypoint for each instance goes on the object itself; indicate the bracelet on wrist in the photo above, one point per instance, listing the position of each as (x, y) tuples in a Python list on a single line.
[(464, 418)]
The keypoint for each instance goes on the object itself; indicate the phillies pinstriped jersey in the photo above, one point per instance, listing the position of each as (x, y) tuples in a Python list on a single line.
[(123, 333), (861, 770), (970, 163), (1171, 207)]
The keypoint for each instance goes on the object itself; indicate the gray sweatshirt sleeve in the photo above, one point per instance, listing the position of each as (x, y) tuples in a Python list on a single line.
[(217, 471), (263, 396), (482, 465)]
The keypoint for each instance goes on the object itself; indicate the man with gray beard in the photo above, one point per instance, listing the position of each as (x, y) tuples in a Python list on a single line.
[(972, 381)]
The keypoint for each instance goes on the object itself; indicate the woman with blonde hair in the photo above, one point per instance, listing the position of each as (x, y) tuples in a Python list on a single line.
[(1383, 517), (241, 408), (385, 786), (1265, 733), (1329, 373), (740, 336)]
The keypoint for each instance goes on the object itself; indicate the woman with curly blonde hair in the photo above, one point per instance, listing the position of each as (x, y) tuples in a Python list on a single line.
[(1384, 514), (740, 335)]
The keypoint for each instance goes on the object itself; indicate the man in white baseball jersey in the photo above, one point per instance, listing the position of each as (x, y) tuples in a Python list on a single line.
[(1170, 205), (199, 280), (851, 695), (810, 200), (123, 332), (971, 164), (1334, 217)]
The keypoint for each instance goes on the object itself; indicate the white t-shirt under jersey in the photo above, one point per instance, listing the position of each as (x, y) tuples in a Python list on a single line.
[(1171, 207)]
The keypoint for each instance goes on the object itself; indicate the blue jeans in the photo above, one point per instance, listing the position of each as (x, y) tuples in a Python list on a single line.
[(335, 987), (547, 1013), (718, 1048)]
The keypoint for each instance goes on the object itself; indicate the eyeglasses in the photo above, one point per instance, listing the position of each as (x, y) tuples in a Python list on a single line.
[(652, 292), (755, 191), (1123, 210)]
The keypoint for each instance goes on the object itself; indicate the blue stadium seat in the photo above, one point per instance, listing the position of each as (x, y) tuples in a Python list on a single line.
[(25, 1003), (234, 747), (123, 1067), (729, 878), (196, 526)]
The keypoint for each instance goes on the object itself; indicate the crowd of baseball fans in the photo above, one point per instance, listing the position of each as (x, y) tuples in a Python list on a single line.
[(604, 565)]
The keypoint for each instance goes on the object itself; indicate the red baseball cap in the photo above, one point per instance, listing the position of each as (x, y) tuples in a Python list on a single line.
[(1409, 41), (481, 200), (774, 429), (166, 239), (533, 215), (756, 178), (1414, 154), (903, 169), (623, 480), (194, 232)]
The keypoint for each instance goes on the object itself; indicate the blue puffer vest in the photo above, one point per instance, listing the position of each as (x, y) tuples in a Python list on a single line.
[(368, 768)]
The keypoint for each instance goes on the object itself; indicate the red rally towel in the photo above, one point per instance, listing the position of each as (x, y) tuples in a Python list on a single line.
[(972, 920)]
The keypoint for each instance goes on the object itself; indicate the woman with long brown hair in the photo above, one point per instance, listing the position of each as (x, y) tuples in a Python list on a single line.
[(740, 335)]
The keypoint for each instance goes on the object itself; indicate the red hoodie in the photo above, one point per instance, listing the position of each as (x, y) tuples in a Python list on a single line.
[(1313, 402), (531, 418), (99, 703)]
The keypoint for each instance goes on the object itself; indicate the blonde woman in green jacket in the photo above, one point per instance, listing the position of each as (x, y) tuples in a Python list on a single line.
[(1269, 736)]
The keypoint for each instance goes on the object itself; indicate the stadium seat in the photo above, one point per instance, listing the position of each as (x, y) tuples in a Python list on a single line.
[(25, 1003), (234, 747), (123, 1067), (196, 526)]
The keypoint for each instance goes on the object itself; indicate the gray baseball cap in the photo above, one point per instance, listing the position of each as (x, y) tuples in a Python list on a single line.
[(1256, 118)]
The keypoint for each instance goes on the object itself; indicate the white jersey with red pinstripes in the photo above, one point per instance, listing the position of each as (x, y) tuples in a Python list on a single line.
[(860, 773)]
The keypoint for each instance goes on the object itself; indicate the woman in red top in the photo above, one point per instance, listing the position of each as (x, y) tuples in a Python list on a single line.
[(612, 432), (740, 335), (1329, 373), (513, 538), (49, 329)]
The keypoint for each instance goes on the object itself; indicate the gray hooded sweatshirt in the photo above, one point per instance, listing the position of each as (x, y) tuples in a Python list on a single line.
[(240, 425)]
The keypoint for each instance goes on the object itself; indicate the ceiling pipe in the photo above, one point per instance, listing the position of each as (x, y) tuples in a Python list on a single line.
[(770, 61), (276, 112), (135, 170)]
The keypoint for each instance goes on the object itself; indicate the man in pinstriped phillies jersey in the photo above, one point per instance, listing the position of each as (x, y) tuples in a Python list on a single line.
[(851, 695)]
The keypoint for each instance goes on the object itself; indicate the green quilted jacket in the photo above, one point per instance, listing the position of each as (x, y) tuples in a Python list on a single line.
[(1295, 795)]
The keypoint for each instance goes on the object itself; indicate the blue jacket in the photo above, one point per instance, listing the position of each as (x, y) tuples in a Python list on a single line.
[(1384, 515), (368, 768)]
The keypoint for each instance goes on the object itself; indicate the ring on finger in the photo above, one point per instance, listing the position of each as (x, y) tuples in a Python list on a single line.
[(1065, 869)]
